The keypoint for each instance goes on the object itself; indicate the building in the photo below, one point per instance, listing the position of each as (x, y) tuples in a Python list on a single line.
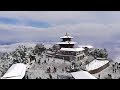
[(66, 42), (82, 75), (71, 54), (16, 71), (68, 51), (96, 66)]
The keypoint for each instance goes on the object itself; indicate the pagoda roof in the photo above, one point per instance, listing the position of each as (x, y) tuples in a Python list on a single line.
[(66, 42), (72, 49), (66, 37)]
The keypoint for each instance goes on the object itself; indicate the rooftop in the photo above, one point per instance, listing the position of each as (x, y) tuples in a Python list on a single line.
[(95, 64), (66, 36), (67, 42), (16, 71), (82, 75), (71, 49)]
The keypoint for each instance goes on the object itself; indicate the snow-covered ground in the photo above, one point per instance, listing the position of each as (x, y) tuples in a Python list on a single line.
[(40, 70), (109, 70)]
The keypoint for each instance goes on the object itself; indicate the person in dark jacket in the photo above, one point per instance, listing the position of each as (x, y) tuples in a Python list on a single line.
[(99, 76), (50, 76)]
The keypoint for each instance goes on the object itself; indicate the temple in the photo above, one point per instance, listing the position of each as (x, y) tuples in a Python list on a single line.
[(66, 42), (68, 51)]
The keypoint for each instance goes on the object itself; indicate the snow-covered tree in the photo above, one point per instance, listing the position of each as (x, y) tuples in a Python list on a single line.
[(56, 47), (39, 48), (86, 51), (101, 53)]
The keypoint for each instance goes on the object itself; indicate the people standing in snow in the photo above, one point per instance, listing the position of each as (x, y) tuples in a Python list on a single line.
[(39, 62), (113, 66), (48, 70), (62, 69), (54, 70), (113, 70), (48, 59), (44, 61), (109, 76), (99, 76), (50, 76)]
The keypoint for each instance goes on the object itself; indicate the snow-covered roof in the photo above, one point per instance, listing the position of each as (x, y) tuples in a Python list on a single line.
[(66, 37), (82, 75), (67, 42), (71, 49), (88, 46), (50, 52), (101, 58), (16, 71), (95, 64)]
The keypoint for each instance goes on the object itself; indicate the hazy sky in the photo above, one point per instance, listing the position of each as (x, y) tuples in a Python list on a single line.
[(48, 25)]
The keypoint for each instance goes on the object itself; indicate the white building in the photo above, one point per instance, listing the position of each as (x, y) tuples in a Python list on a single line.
[(16, 71), (82, 75), (96, 66)]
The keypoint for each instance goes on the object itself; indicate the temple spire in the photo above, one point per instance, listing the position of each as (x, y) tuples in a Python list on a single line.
[(66, 34)]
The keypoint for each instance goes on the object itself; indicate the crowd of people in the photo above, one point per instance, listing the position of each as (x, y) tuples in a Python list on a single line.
[(116, 67), (51, 64)]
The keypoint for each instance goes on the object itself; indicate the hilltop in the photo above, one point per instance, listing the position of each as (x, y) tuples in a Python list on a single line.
[(40, 66)]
